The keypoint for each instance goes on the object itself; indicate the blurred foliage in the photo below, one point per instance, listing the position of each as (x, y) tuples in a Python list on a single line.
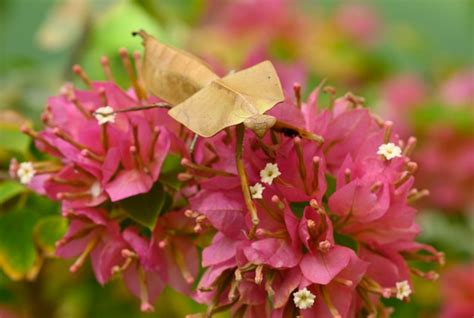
[(40, 40)]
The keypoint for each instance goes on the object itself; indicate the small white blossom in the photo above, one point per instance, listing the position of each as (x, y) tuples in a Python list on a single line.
[(303, 298), (104, 115), (25, 172), (95, 190), (389, 151), (403, 289), (269, 173), (257, 190)]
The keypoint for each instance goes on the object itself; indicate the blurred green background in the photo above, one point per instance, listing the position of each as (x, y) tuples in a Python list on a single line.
[(41, 39)]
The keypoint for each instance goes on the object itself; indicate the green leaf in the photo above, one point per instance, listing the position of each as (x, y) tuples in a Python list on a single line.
[(49, 230), (12, 139), (298, 208), (17, 250), (145, 208), (169, 171), (9, 189), (331, 182), (346, 241)]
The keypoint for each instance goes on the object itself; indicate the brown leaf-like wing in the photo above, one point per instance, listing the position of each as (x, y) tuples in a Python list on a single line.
[(260, 82), (171, 74), (212, 109), (230, 101)]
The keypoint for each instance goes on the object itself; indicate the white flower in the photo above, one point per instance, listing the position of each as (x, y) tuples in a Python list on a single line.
[(257, 190), (25, 172), (104, 115), (269, 173), (389, 151), (95, 189), (403, 289), (303, 298)]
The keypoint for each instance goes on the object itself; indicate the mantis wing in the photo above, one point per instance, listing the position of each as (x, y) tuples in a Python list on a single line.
[(231, 100), (260, 83), (171, 74)]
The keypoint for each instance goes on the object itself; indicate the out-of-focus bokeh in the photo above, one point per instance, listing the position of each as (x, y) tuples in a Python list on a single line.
[(413, 61)]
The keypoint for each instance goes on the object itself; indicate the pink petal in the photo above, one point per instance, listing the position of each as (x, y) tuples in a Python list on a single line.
[(321, 268)]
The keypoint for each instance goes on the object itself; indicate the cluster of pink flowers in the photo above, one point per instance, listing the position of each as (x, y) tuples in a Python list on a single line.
[(326, 229), (107, 147), (333, 228)]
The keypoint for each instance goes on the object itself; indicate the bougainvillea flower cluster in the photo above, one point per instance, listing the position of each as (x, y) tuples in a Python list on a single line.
[(108, 147), (310, 227), (334, 229)]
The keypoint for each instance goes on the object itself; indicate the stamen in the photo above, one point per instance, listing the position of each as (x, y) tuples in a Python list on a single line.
[(279, 203), (347, 175), (263, 233), (119, 269), (409, 147), (327, 300), (154, 138), (89, 154), (164, 242), (190, 213), (137, 159), (259, 274), (81, 259), (331, 91), (324, 246), (301, 165), (144, 297), (345, 282), (274, 214), (233, 290), (356, 101), (238, 275), (316, 162), (430, 275), (73, 195), (297, 91), (103, 96), (411, 169), (368, 304), (436, 257), (75, 183), (415, 196), (81, 233), (200, 168), (104, 137), (138, 69), (312, 229), (130, 72), (388, 131), (184, 177), (59, 133), (79, 106), (315, 205), (376, 187), (135, 150), (104, 60), (244, 181), (180, 261), (34, 135), (77, 69)]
